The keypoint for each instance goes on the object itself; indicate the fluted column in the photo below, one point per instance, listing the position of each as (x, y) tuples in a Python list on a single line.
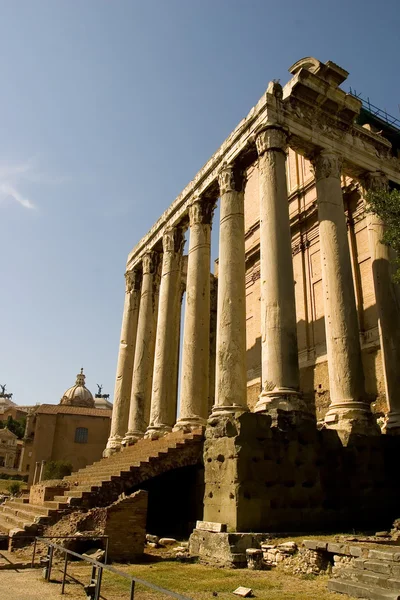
[(348, 411), (196, 335), (387, 306), (230, 378), (144, 351), (123, 381), (165, 377), (280, 363)]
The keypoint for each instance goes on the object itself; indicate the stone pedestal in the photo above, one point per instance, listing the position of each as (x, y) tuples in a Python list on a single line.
[(144, 352), (230, 385), (165, 376), (280, 365), (349, 411), (123, 381), (387, 306), (196, 336)]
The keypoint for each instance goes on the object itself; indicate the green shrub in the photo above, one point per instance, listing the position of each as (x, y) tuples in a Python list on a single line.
[(56, 469), (14, 488)]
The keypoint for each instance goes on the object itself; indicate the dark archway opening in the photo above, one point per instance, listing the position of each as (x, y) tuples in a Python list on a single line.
[(175, 501)]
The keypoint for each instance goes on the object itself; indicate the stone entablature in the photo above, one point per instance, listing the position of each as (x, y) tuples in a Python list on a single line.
[(314, 118), (313, 126)]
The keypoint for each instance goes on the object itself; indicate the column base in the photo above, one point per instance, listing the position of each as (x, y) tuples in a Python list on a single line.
[(132, 437), (351, 418), (392, 423), (284, 405), (113, 445), (188, 424), (219, 410), (154, 432)]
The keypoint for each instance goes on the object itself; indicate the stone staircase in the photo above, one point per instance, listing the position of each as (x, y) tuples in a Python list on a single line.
[(101, 483), (375, 575)]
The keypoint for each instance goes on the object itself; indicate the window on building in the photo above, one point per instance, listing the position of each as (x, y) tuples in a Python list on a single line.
[(81, 435)]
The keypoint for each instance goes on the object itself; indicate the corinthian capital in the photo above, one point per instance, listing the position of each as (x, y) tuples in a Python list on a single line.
[(132, 281), (226, 180), (173, 239), (201, 211), (375, 181), (326, 164), (150, 262), (271, 137)]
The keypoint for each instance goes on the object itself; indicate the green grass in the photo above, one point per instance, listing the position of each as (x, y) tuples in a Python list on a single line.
[(199, 582), (4, 483)]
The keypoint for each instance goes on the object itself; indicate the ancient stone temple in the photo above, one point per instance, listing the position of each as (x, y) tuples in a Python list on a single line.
[(297, 332)]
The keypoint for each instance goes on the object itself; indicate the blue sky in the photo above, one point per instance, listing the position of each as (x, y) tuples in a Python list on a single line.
[(107, 110)]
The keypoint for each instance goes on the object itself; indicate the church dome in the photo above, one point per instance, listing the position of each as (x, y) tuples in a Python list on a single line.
[(78, 395)]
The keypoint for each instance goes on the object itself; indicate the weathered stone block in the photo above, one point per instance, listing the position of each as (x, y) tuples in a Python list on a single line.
[(211, 526), (377, 567), (224, 549)]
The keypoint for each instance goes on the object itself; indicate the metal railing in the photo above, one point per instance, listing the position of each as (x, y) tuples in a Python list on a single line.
[(93, 589), (70, 537), (378, 112)]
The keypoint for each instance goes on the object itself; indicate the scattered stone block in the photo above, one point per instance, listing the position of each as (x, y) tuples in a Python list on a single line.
[(167, 541), (211, 526), (355, 551), (380, 555), (377, 567), (254, 558), (244, 592), (336, 548), (310, 544), (96, 554), (152, 538)]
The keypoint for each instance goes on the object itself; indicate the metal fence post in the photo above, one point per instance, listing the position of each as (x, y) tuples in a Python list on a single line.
[(132, 589), (64, 572), (98, 583), (50, 563), (34, 553)]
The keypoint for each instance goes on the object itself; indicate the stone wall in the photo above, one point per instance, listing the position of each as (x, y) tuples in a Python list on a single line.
[(125, 524), (264, 478)]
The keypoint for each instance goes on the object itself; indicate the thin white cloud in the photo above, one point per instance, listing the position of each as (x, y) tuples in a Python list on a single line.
[(13, 175), (7, 190)]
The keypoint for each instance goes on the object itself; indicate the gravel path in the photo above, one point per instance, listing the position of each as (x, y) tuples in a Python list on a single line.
[(27, 584)]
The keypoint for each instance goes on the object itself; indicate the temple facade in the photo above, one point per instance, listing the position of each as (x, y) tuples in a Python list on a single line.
[(301, 317)]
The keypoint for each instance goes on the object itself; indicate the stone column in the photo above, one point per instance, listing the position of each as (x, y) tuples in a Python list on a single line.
[(387, 306), (230, 377), (165, 377), (42, 466), (348, 411), (123, 381), (280, 363), (196, 336), (144, 350), (213, 341), (36, 473)]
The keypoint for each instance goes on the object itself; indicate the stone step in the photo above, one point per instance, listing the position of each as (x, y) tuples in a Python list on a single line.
[(142, 450), (13, 522), (120, 471), (371, 579), (26, 516), (133, 461), (25, 506), (56, 505), (358, 590)]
